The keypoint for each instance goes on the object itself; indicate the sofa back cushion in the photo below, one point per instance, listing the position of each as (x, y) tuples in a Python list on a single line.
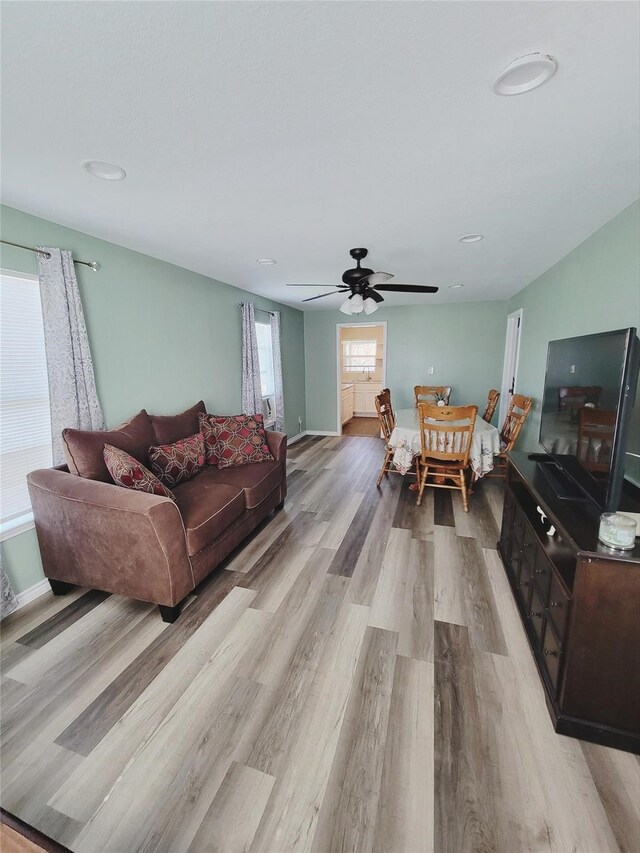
[(182, 460), (168, 429), (83, 448)]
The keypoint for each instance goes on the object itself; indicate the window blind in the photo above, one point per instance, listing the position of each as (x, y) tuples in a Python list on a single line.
[(25, 419), (358, 355)]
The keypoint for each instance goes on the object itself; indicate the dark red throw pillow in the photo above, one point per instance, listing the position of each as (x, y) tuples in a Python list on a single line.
[(208, 430), (175, 463), (128, 472), (240, 440)]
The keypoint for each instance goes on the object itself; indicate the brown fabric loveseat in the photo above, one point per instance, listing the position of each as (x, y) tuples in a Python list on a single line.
[(95, 534)]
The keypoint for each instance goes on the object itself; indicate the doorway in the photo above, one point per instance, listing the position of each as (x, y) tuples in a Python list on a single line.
[(361, 375), (511, 356)]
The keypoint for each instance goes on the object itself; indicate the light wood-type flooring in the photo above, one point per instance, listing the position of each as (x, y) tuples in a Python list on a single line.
[(355, 678)]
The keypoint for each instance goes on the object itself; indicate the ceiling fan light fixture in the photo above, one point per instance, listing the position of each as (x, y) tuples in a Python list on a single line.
[(346, 307), (357, 303), (370, 305)]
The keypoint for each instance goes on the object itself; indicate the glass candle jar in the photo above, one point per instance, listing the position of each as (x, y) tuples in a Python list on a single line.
[(617, 531)]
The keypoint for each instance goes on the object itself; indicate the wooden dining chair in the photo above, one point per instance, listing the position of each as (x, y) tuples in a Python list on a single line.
[(445, 446), (385, 399), (595, 438), (428, 393), (387, 423), (519, 409), (492, 402)]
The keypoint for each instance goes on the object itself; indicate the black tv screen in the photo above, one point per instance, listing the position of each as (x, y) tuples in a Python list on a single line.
[(587, 406)]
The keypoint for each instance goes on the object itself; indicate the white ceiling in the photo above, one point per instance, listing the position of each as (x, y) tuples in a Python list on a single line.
[(296, 130)]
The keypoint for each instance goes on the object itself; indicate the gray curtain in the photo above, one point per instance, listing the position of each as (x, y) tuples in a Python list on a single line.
[(72, 387), (8, 600), (251, 387), (277, 370)]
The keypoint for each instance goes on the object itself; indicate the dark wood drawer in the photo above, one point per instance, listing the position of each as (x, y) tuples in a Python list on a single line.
[(551, 655), (558, 607)]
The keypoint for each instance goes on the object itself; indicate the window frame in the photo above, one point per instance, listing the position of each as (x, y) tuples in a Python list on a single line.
[(272, 394), (24, 522)]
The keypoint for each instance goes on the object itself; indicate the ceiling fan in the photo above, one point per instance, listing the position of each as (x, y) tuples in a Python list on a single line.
[(365, 285)]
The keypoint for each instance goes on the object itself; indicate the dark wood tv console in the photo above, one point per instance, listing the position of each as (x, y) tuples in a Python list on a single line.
[(580, 606)]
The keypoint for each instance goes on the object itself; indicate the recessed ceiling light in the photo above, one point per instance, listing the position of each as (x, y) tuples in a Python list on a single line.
[(471, 238), (525, 73), (265, 261), (106, 171), (455, 286)]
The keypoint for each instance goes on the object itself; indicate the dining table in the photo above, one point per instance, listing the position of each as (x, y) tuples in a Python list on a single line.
[(405, 439)]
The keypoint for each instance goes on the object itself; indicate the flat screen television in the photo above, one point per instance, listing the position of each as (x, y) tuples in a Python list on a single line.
[(588, 415)]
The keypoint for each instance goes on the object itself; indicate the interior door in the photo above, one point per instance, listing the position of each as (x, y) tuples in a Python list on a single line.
[(510, 369)]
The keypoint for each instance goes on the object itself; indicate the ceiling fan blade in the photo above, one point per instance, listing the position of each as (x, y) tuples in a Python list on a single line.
[(407, 288), (375, 278), (314, 285), (372, 294), (311, 298)]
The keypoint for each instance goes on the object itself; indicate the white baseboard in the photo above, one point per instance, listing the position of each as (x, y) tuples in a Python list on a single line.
[(295, 438), (321, 432), (33, 592)]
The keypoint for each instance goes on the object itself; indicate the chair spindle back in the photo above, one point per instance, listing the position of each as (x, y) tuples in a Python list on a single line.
[(442, 440), (492, 402)]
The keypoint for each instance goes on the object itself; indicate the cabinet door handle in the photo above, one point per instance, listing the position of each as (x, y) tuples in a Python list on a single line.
[(550, 653), (555, 604), (533, 613), (541, 571), (524, 583)]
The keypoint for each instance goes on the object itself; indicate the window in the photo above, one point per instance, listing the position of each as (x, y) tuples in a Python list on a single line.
[(267, 380), (25, 418), (358, 356)]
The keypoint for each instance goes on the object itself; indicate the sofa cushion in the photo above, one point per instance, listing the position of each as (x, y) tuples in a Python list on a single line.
[(207, 508), (174, 463), (257, 481), (168, 429), (240, 440), (207, 428), (128, 472), (83, 448)]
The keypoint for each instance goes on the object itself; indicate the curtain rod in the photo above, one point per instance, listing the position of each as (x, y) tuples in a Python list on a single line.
[(263, 310), (94, 265)]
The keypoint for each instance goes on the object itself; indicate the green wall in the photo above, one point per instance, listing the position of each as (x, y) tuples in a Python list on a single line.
[(595, 288), (464, 342), (161, 337)]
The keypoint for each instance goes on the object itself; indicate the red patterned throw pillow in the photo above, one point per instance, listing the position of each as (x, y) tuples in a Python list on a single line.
[(174, 463), (240, 440), (208, 430), (128, 472)]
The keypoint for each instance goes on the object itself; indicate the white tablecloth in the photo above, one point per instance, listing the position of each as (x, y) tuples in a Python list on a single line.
[(405, 438)]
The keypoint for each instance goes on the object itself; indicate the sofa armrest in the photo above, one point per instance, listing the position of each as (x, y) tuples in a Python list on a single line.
[(277, 442), (102, 536)]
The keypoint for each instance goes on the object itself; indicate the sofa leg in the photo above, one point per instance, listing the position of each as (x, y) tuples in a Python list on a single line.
[(170, 614), (279, 506), (60, 587)]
